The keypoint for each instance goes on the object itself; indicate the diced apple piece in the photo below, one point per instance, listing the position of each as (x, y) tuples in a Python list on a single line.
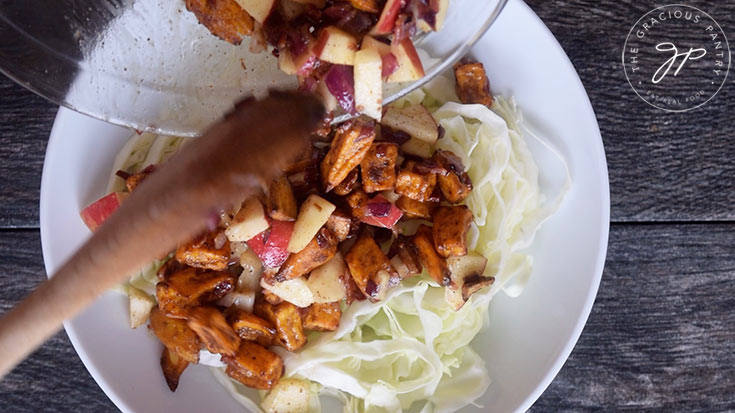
[(380, 212), (296, 291), (387, 19), (259, 9), (336, 46), (271, 245), (96, 213), (389, 62), (409, 63), (470, 266), (369, 83), (286, 63), (141, 305), (325, 282), (328, 99), (430, 16), (314, 213), (417, 147), (415, 120), (288, 395), (249, 221)]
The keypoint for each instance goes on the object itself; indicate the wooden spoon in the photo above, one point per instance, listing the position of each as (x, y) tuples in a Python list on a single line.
[(233, 159)]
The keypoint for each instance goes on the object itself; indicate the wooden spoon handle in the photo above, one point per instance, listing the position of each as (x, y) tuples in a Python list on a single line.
[(231, 161)]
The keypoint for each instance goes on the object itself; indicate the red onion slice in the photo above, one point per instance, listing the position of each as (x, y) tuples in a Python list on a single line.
[(341, 84)]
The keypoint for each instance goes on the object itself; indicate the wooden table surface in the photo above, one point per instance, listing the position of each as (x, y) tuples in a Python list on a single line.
[(661, 335)]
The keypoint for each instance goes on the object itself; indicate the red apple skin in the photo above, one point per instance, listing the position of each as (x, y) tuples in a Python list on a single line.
[(96, 213), (388, 221), (271, 245), (388, 16), (390, 64)]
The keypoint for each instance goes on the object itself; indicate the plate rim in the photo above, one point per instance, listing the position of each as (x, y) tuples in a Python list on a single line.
[(44, 205)]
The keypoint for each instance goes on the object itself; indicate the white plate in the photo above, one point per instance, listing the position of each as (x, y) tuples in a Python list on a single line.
[(529, 337)]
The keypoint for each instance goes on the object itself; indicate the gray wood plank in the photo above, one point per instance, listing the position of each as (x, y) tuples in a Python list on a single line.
[(661, 332), (663, 166), (53, 379), (25, 123)]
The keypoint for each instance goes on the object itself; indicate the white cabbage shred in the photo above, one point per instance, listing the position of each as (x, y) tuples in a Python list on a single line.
[(412, 350)]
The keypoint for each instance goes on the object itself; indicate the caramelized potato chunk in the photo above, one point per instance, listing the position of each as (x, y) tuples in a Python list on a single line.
[(212, 328), (349, 184), (472, 83), (224, 18), (474, 284), (414, 209), (435, 264), (133, 180), (415, 185), (254, 366), (176, 335), (203, 253), (190, 288), (251, 327), (370, 6), (287, 321), (358, 202), (454, 183), (378, 167), (450, 230), (318, 251), (369, 267), (321, 317), (340, 224), (350, 144), (281, 202), (172, 366)]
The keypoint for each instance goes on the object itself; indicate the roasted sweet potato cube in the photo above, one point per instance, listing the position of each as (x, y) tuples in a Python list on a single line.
[(415, 185), (474, 284), (454, 183), (251, 327), (349, 146), (321, 317), (190, 288), (349, 184), (472, 83), (203, 253), (378, 167), (176, 335), (254, 366), (357, 201), (340, 224), (286, 319), (369, 267), (172, 365), (133, 180), (370, 6), (281, 202), (318, 251), (224, 18), (169, 268), (434, 263), (213, 330), (414, 209), (450, 230)]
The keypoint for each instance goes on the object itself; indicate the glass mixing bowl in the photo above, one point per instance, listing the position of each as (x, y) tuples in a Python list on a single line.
[(149, 65)]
